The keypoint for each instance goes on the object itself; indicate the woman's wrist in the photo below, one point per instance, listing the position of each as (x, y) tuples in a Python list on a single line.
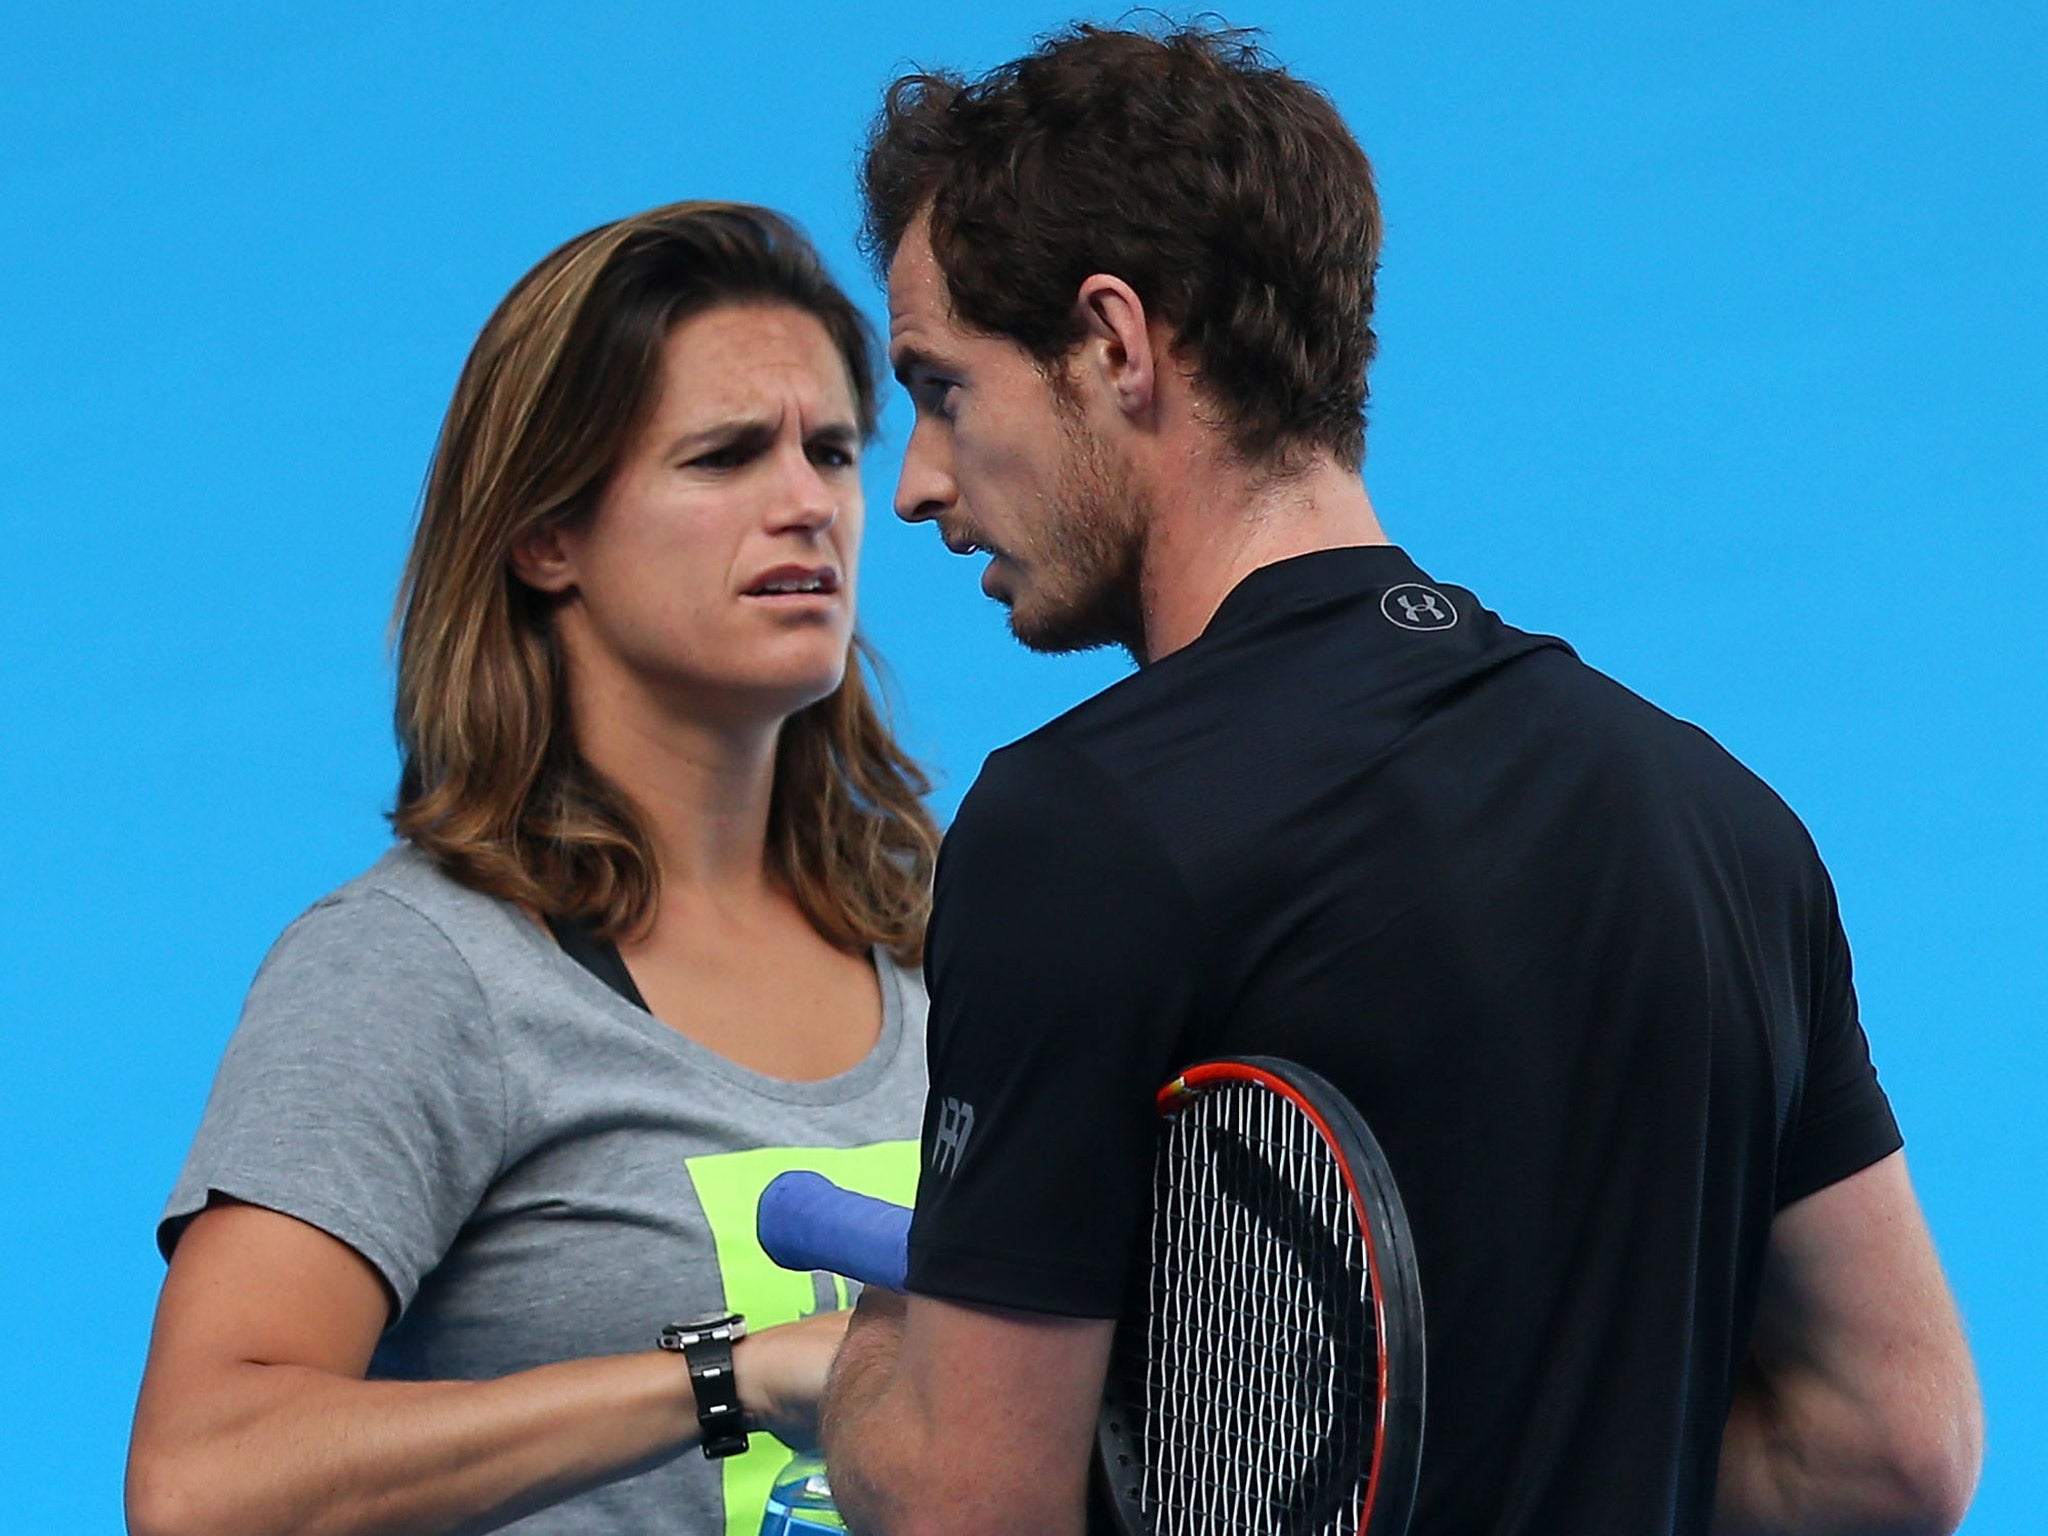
[(662, 1387), (780, 1373), (753, 1367), (706, 1347)]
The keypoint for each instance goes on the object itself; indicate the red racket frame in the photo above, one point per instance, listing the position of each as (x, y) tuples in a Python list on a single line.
[(1390, 1261)]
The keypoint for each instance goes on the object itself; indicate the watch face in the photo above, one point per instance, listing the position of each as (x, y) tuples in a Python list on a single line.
[(730, 1325)]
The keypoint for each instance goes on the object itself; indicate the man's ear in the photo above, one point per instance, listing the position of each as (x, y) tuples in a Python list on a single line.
[(1118, 344), (542, 558)]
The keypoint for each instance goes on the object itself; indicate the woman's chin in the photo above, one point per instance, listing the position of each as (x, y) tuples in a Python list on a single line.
[(793, 690)]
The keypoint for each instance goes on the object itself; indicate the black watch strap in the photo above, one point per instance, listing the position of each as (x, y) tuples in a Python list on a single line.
[(706, 1348)]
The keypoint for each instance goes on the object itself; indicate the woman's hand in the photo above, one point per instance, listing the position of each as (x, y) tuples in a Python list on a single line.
[(781, 1374)]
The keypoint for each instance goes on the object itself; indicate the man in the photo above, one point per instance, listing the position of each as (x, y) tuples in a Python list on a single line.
[(1582, 973)]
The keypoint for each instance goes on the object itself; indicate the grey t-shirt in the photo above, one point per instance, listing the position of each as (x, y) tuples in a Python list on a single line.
[(540, 1170)]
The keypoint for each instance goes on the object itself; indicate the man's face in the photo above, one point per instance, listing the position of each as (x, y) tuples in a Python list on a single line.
[(1010, 467)]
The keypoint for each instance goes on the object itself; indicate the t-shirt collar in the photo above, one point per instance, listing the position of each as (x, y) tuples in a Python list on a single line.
[(1307, 581)]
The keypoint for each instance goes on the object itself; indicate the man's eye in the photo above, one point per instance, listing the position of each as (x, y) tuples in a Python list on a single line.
[(728, 457), (937, 397), (832, 456)]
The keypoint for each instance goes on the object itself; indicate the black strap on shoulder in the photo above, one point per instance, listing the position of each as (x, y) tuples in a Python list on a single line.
[(600, 957)]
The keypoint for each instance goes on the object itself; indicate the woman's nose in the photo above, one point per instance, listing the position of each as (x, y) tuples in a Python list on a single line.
[(810, 499)]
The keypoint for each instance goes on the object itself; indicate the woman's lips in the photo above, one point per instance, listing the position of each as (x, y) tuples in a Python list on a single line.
[(795, 581)]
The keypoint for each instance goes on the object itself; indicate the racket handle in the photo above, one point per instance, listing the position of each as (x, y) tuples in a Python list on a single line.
[(805, 1221)]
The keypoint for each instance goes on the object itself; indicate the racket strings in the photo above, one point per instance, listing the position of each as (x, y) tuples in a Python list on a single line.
[(1260, 1355)]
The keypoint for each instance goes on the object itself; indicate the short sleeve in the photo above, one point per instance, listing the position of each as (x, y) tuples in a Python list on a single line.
[(1843, 1122), (362, 1091), (1062, 968)]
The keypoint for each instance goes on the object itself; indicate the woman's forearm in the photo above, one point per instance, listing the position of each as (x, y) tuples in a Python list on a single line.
[(252, 1448), (255, 1416)]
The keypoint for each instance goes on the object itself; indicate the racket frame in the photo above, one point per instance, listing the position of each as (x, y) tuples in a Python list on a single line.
[(1389, 1245)]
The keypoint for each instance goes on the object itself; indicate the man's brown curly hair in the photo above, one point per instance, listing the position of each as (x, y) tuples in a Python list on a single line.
[(1230, 195)]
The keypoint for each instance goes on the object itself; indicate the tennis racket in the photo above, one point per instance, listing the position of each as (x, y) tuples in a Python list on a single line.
[(1267, 1375)]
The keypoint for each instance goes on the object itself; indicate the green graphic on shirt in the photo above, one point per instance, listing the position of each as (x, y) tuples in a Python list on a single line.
[(729, 1186)]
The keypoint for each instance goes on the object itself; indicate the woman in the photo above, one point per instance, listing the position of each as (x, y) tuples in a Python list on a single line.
[(498, 1110)]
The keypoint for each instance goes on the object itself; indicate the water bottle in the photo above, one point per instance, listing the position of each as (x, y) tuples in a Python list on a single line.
[(800, 1503)]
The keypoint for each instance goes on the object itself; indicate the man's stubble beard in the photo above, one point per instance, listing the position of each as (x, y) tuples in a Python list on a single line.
[(1089, 560)]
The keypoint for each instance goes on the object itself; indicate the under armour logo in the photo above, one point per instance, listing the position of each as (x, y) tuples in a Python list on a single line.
[(1414, 606), (949, 1144)]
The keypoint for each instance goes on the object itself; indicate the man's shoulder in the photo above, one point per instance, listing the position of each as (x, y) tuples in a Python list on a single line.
[(1678, 749), (1666, 781), (1053, 782)]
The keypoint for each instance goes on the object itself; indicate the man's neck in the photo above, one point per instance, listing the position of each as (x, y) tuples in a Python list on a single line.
[(1216, 526)]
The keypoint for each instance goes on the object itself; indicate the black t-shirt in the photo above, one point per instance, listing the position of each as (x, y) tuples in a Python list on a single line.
[(1580, 970)]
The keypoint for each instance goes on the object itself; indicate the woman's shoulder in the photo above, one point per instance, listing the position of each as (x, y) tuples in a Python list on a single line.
[(408, 877), (397, 933), (363, 1089), (406, 907), (400, 947), (903, 994)]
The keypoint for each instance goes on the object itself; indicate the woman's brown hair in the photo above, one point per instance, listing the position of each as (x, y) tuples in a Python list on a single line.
[(492, 785)]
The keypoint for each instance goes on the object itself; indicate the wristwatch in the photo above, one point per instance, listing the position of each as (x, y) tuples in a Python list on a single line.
[(706, 1348)]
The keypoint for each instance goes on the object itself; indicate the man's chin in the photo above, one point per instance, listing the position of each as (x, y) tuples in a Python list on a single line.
[(1062, 632)]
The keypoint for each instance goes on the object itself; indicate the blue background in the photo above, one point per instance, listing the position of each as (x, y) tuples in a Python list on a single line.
[(1713, 339)]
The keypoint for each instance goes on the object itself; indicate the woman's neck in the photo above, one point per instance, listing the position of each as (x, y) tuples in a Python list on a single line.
[(702, 782)]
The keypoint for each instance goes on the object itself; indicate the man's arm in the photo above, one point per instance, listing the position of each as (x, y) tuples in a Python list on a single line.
[(1065, 963), (1859, 1409), (949, 1420)]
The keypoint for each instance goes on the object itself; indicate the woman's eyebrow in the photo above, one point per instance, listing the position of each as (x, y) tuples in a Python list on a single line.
[(835, 434), (753, 433), (732, 432)]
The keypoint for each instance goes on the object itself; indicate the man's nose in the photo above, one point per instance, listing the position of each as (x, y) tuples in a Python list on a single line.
[(924, 485)]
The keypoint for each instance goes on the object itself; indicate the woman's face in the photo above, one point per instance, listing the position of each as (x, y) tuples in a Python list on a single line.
[(717, 571)]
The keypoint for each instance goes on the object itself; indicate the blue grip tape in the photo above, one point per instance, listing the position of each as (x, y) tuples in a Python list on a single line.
[(805, 1221)]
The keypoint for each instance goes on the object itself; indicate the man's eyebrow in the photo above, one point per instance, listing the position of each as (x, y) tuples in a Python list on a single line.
[(906, 362)]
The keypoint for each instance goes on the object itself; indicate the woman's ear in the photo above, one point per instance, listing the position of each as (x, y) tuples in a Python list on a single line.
[(542, 558)]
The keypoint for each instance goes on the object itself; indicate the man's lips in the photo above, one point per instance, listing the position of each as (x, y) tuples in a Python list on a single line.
[(962, 544), (795, 581)]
